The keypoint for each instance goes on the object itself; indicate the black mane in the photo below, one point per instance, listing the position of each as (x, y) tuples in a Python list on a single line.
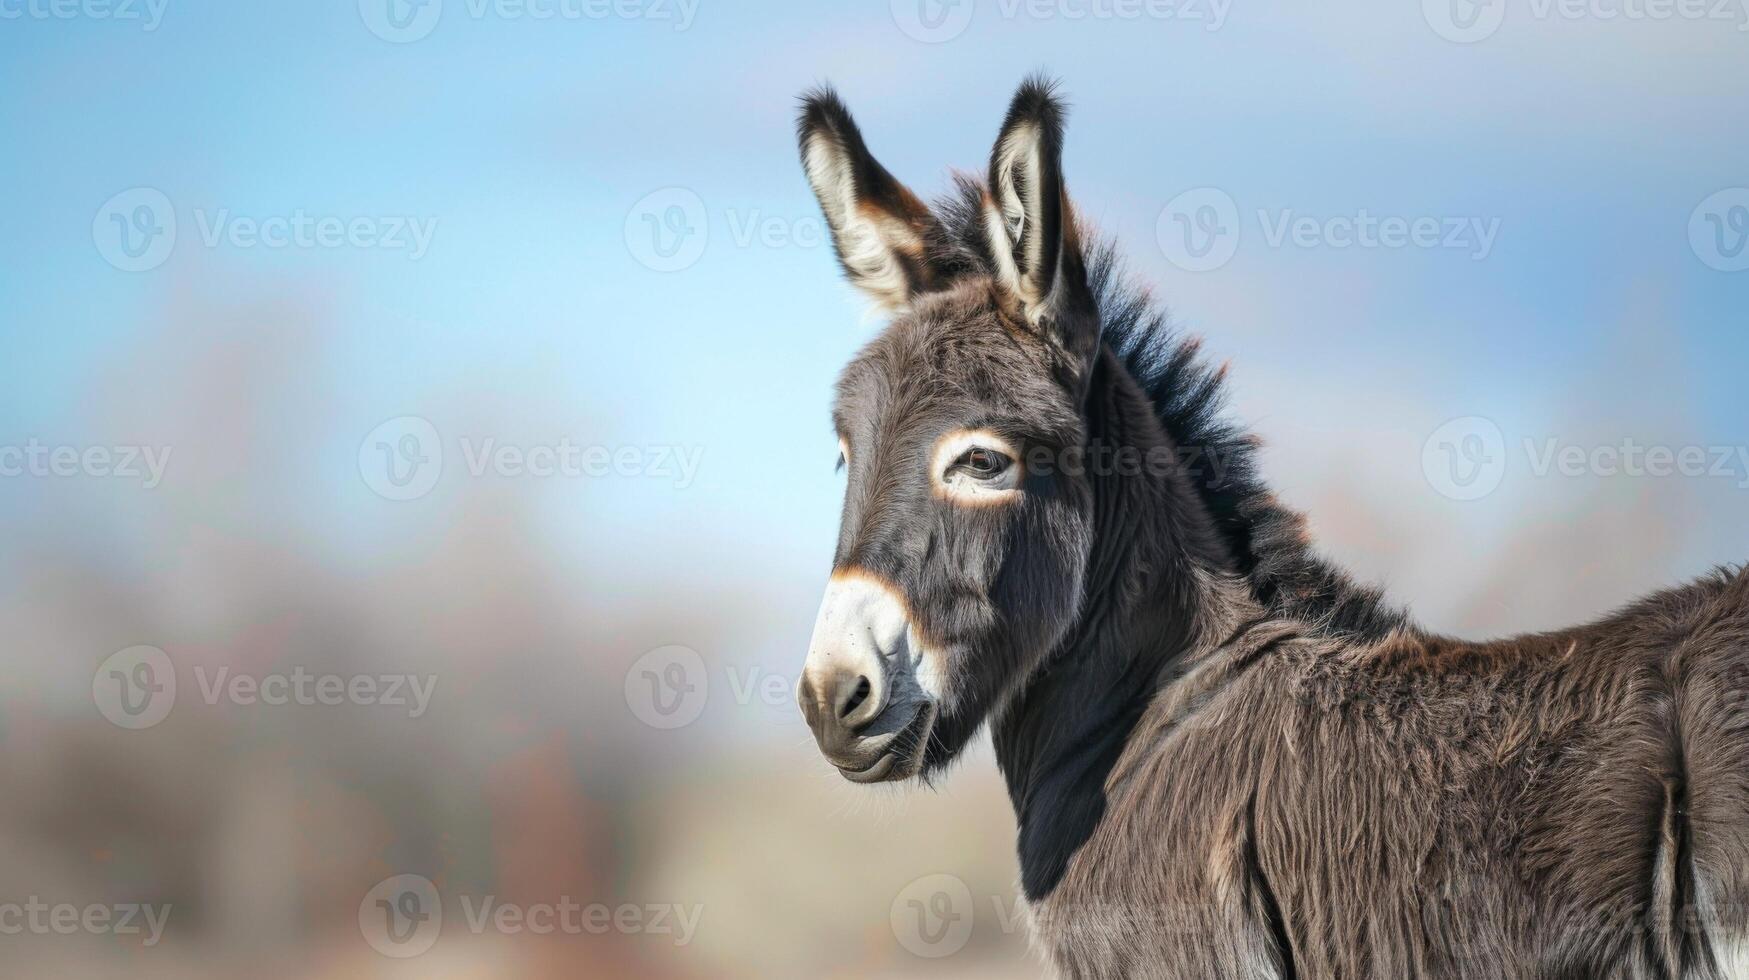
[(1267, 541)]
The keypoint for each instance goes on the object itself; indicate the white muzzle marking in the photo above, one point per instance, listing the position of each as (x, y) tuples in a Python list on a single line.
[(865, 627)]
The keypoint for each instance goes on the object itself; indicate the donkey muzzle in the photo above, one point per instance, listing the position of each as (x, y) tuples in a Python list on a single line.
[(854, 690)]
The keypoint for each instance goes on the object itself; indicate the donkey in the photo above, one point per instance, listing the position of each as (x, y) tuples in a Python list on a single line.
[(1226, 759)]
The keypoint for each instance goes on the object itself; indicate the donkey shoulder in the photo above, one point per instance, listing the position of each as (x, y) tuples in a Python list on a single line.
[(1581, 792), (1575, 798)]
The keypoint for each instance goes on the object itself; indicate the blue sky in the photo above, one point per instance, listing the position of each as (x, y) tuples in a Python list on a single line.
[(1586, 141)]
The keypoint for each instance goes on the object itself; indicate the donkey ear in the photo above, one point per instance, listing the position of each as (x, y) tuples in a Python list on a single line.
[(880, 229), (1035, 245)]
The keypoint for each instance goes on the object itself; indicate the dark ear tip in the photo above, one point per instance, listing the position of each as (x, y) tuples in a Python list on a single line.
[(1037, 100), (821, 108)]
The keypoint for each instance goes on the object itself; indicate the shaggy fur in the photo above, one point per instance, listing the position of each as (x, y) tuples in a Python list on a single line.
[(1226, 758)]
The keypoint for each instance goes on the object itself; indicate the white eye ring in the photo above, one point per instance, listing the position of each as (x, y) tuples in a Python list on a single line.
[(843, 450), (951, 481)]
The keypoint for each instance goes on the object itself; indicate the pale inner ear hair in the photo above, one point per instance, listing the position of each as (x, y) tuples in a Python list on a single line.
[(1019, 193), (1001, 245), (866, 238), (968, 490), (1023, 139)]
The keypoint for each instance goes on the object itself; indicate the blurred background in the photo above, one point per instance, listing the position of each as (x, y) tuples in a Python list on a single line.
[(415, 475)]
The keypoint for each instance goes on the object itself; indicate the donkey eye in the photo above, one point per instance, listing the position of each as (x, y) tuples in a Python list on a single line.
[(983, 462), (970, 469)]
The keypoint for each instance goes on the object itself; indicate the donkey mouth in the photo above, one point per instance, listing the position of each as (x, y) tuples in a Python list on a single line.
[(879, 772), (903, 755)]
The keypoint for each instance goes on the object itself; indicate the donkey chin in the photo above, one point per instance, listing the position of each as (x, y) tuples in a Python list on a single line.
[(871, 688)]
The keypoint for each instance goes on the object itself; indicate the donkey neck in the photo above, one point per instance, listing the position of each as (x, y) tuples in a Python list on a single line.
[(1157, 587)]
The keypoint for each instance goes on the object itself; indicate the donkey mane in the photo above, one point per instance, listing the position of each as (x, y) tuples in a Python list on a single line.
[(1267, 542)]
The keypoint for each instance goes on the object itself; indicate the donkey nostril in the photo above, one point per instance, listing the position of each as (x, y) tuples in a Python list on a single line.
[(857, 697)]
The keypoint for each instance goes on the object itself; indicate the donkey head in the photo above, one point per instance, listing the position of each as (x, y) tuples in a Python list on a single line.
[(962, 551)]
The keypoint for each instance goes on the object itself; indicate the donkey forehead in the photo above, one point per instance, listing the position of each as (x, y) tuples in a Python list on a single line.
[(957, 358)]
